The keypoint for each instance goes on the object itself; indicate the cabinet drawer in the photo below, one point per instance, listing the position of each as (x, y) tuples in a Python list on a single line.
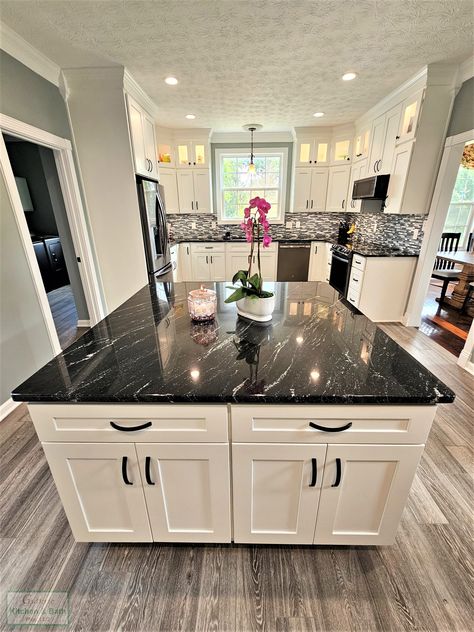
[(369, 424), (356, 278), (359, 262), (207, 247), (164, 422), (353, 295)]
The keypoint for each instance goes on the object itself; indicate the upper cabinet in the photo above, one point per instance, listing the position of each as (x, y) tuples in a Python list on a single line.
[(166, 154), (384, 136), (192, 154), (361, 143), (341, 148), (142, 136), (312, 151), (410, 111)]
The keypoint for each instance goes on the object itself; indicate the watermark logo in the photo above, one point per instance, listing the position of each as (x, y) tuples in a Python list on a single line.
[(38, 608)]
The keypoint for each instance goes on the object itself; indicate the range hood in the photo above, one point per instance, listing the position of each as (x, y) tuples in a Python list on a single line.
[(372, 188)]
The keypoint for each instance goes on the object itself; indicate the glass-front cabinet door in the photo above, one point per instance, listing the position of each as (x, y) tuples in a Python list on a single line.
[(183, 151), (410, 112), (165, 155), (304, 152), (199, 155), (342, 149), (321, 152), (361, 144), (192, 154)]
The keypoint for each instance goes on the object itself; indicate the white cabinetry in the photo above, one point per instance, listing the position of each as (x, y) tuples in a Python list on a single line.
[(100, 488), (310, 189), (364, 491), (312, 150), (358, 171), (187, 491), (398, 177), (338, 183), (208, 262), (194, 191), (142, 136), (318, 261), (185, 268), (384, 134), (276, 492), (192, 153), (238, 258), (167, 178)]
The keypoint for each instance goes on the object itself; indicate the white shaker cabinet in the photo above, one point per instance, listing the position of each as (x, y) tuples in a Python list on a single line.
[(208, 262), (185, 191), (168, 180), (302, 189), (276, 492), (202, 191), (101, 491), (398, 177), (142, 136), (318, 261), (364, 491), (194, 191), (187, 491), (338, 183)]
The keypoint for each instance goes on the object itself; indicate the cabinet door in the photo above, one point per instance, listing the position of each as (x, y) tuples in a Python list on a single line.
[(398, 177), (276, 492), (184, 154), (200, 155), (200, 265), (364, 504), (341, 149), (187, 491), (358, 172), (137, 137), (337, 188), (236, 261), (319, 188), (268, 264), (304, 151), (317, 261), (185, 191), (302, 189), (392, 123), (99, 504), (409, 117), (217, 266), (168, 180), (376, 147), (202, 191), (150, 145), (186, 271)]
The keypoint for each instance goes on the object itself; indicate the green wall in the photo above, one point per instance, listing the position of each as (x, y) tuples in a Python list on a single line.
[(462, 116)]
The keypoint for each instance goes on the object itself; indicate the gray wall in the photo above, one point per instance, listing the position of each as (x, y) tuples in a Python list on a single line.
[(462, 116), (24, 341)]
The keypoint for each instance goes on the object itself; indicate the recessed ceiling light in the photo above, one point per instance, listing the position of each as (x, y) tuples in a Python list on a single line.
[(318, 114), (349, 76), (171, 81), (190, 116)]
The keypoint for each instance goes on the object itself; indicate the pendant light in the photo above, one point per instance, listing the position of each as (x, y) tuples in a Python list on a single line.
[(252, 127)]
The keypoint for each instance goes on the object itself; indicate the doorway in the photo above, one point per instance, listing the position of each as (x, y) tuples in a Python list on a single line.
[(37, 181), (448, 308)]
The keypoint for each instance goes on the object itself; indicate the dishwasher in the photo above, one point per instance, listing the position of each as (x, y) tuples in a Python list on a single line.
[(293, 261)]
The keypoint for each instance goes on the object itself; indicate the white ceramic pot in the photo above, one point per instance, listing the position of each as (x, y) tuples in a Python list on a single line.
[(259, 309)]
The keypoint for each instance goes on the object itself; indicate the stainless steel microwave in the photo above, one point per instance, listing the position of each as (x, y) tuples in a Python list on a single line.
[(372, 188)]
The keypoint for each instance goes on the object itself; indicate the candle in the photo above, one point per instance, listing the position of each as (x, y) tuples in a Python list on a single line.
[(202, 304)]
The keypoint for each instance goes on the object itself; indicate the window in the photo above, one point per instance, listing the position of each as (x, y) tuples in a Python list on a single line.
[(236, 186), (460, 218)]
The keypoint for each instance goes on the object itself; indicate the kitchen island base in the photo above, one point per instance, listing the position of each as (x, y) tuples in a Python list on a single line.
[(299, 474)]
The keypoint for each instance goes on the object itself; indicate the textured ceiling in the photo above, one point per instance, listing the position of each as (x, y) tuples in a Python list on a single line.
[(238, 61)]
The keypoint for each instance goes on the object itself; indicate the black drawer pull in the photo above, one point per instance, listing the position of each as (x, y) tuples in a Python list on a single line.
[(124, 471), (314, 472), (148, 470), (324, 429), (147, 424), (338, 473)]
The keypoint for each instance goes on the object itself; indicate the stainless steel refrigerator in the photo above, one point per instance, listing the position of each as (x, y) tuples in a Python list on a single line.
[(155, 233)]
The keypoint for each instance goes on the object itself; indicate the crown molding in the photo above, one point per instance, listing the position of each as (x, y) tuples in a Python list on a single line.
[(28, 55), (138, 93)]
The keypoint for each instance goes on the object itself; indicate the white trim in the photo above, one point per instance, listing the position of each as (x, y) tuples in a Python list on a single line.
[(8, 407), (244, 137), (222, 151), (464, 359), (132, 88), (466, 69), (83, 323), (62, 151), (445, 182), (28, 55)]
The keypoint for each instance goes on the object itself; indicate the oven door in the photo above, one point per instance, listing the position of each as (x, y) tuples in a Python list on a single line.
[(340, 270)]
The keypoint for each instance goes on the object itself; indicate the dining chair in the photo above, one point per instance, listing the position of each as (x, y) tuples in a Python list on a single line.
[(443, 270), (470, 290), (470, 242)]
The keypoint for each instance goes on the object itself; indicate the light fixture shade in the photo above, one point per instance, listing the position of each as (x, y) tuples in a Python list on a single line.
[(251, 168)]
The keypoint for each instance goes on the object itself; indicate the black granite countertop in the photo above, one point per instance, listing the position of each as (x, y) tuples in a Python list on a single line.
[(316, 350), (360, 247)]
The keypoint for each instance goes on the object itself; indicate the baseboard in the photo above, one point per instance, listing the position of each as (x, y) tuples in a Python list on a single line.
[(464, 361), (8, 407), (83, 323)]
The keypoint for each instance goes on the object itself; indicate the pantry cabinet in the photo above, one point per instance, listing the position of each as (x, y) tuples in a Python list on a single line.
[(338, 183), (194, 191), (142, 136), (310, 189), (363, 492)]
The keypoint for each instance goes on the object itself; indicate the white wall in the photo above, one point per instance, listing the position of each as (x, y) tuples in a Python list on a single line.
[(97, 111)]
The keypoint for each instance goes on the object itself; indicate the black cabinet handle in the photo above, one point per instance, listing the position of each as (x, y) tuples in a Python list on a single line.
[(311, 203), (197, 206), (324, 429), (148, 470), (397, 137), (314, 472), (307, 202), (338, 473), (192, 206), (124, 471), (211, 258), (147, 424), (343, 202)]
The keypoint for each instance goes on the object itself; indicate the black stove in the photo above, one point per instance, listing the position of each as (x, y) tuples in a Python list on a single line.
[(341, 263)]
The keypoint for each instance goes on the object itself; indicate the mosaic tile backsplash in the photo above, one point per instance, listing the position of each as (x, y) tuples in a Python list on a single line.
[(372, 228)]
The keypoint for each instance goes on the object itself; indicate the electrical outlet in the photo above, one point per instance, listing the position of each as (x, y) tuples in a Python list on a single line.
[(289, 225), (298, 224), (213, 224), (374, 230), (416, 232)]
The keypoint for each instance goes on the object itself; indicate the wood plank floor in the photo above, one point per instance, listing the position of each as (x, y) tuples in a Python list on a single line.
[(422, 582), (63, 309)]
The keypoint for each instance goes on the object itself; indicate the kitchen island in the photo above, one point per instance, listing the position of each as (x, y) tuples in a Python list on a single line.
[(305, 431)]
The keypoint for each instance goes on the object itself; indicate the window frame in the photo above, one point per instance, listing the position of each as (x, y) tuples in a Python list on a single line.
[(221, 152)]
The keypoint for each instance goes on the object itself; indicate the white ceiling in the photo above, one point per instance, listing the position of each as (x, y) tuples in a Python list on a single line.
[(275, 62)]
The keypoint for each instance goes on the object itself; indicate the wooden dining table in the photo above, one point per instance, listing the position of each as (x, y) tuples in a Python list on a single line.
[(464, 259)]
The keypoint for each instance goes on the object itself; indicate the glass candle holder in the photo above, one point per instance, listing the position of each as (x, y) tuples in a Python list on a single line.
[(202, 304)]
